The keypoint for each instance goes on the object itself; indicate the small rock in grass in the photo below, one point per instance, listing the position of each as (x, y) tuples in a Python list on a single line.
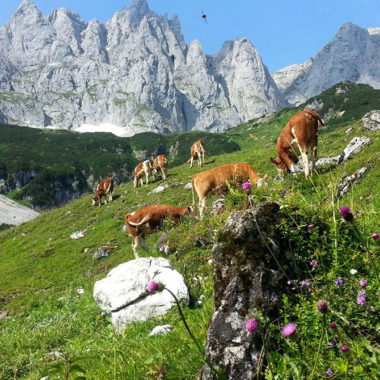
[(161, 330)]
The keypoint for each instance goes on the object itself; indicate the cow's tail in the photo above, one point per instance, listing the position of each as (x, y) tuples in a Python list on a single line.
[(313, 113), (142, 221)]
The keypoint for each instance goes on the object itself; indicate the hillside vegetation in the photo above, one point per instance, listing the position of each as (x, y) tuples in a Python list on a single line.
[(46, 168), (48, 328)]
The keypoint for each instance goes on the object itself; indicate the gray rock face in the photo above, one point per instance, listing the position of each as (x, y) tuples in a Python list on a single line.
[(133, 74), (372, 120), (352, 55), (13, 213), (350, 179), (123, 292), (247, 279)]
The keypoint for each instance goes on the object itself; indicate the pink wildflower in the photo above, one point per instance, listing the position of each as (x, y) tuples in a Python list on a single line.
[(246, 186), (363, 283), (152, 286), (346, 214), (252, 325), (375, 236), (289, 329)]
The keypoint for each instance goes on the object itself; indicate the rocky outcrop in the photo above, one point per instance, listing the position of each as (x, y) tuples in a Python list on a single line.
[(123, 293), (371, 120), (12, 213), (133, 74), (248, 278), (352, 55)]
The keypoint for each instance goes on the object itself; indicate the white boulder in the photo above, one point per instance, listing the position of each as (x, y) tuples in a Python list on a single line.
[(123, 293)]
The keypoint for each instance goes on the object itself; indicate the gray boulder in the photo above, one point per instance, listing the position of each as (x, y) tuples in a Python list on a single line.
[(372, 120), (123, 292)]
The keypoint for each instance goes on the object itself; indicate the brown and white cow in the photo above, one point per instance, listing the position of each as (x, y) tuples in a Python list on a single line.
[(148, 219), (143, 168), (214, 180), (299, 135), (105, 188), (197, 152), (160, 162)]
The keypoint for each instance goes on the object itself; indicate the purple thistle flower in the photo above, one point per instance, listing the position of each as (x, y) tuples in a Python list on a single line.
[(371, 309), (361, 301), (329, 372), (310, 226), (314, 264), (345, 348), (289, 329), (289, 282), (152, 286), (246, 186), (375, 236), (305, 283), (338, 282), (346, 214), (363, 283), (333, 325), (252, 325)]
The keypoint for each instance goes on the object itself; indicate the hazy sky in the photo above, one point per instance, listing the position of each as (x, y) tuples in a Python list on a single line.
[(283, 31)]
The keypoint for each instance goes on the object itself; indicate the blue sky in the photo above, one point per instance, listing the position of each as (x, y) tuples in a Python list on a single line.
[(283, 31)]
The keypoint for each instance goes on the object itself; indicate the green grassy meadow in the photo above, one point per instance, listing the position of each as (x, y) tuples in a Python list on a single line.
[(41, 269)]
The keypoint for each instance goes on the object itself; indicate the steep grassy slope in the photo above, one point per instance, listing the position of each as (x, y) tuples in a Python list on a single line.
[(41, 268)]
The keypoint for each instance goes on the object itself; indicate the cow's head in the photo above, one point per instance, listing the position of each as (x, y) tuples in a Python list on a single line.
[(262, 182), (192, 209), (281, 167), (96, 200)]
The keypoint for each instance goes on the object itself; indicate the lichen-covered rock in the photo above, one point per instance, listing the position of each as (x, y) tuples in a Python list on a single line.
[(248, 277), (372, 120), (350, 179)]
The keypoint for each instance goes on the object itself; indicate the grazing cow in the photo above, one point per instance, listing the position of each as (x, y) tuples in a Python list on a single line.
[(160, 162), (299, 134), (148, 219), (197, 152), (142, 168), (104, 188), (214, 180)]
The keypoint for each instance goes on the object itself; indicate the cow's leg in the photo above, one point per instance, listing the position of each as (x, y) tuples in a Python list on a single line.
[(147, 177), (110, 199), (135, 182), (141, 182), (135, 244), (142, 243), (202, 206), (313, 158), (303, 149), (191, 161), (163, 173)]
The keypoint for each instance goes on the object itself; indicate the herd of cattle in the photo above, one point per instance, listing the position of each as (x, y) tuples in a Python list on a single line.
[(299, 136)]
